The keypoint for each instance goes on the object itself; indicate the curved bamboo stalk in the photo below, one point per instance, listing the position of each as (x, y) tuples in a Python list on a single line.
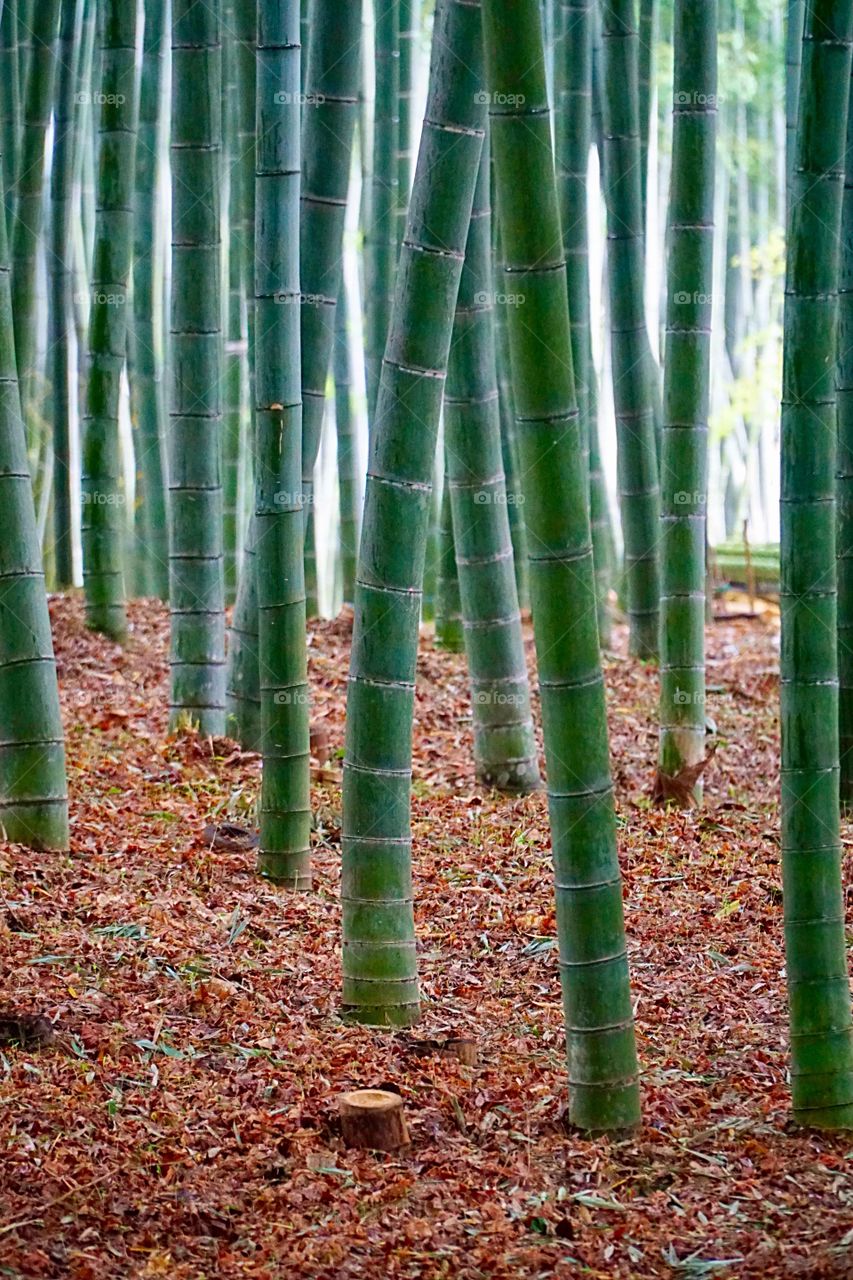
[(379, 962)]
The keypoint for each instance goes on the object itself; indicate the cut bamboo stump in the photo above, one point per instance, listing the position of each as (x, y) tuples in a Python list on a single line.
[(373, 1118)]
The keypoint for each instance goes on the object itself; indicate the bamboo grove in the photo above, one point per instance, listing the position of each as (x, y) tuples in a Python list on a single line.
[(461, 315)]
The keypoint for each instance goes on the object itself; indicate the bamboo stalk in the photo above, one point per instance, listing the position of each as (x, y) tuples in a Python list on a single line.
[(602, 1060), (816, 957), (379, 960), (284, 853), (195, 484)]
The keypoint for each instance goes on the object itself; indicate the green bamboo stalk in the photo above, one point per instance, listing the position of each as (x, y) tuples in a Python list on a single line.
[(645, 89), (10, 99), (573, 97), (687, 374), (243, 691), (146, 331), (631, 359), (328, 123), (816, 960), (196, 591), (380, 239), (103, 492), (509, 440), (448, 603), (33, 800), (285, 808), (504, 743), (236, 350), (602, 1058), (60, 285), (408, 35), (844, 489), (379, 961), (793, 58), (29, 186), (346, 443)]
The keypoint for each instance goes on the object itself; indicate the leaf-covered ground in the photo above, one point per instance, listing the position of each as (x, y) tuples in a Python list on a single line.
[(184, 1122)]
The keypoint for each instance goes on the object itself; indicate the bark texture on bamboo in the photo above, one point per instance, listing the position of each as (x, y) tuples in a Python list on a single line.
[(374, 1119), (379, 960), (284, 854), (505, 753), (816, 955), (381, 238), (104, 521), (345, 424), (573, 138), (146, 337), (33, 801), (631, 360), (687, 365), (29, 182), (59, 282), (331, 108), (196, 590), (603, 1072)]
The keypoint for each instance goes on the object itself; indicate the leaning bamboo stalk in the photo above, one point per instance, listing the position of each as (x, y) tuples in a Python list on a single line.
[(379, 960)]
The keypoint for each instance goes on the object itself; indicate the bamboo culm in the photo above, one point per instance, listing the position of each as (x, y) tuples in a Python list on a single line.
[(33, 798), (285, 807), (815, 947), (379, 959), (331, 109), (505, 753), (59, 281), (687, 365), (630, 356), (103, 493), (147, 322), (603, 1072), (196, 588)]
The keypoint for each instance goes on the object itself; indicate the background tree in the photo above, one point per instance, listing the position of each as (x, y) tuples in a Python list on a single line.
[(687, 365), (196, 590)]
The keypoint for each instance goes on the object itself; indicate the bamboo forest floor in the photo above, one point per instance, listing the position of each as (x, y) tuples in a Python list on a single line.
[(183, 1122)]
